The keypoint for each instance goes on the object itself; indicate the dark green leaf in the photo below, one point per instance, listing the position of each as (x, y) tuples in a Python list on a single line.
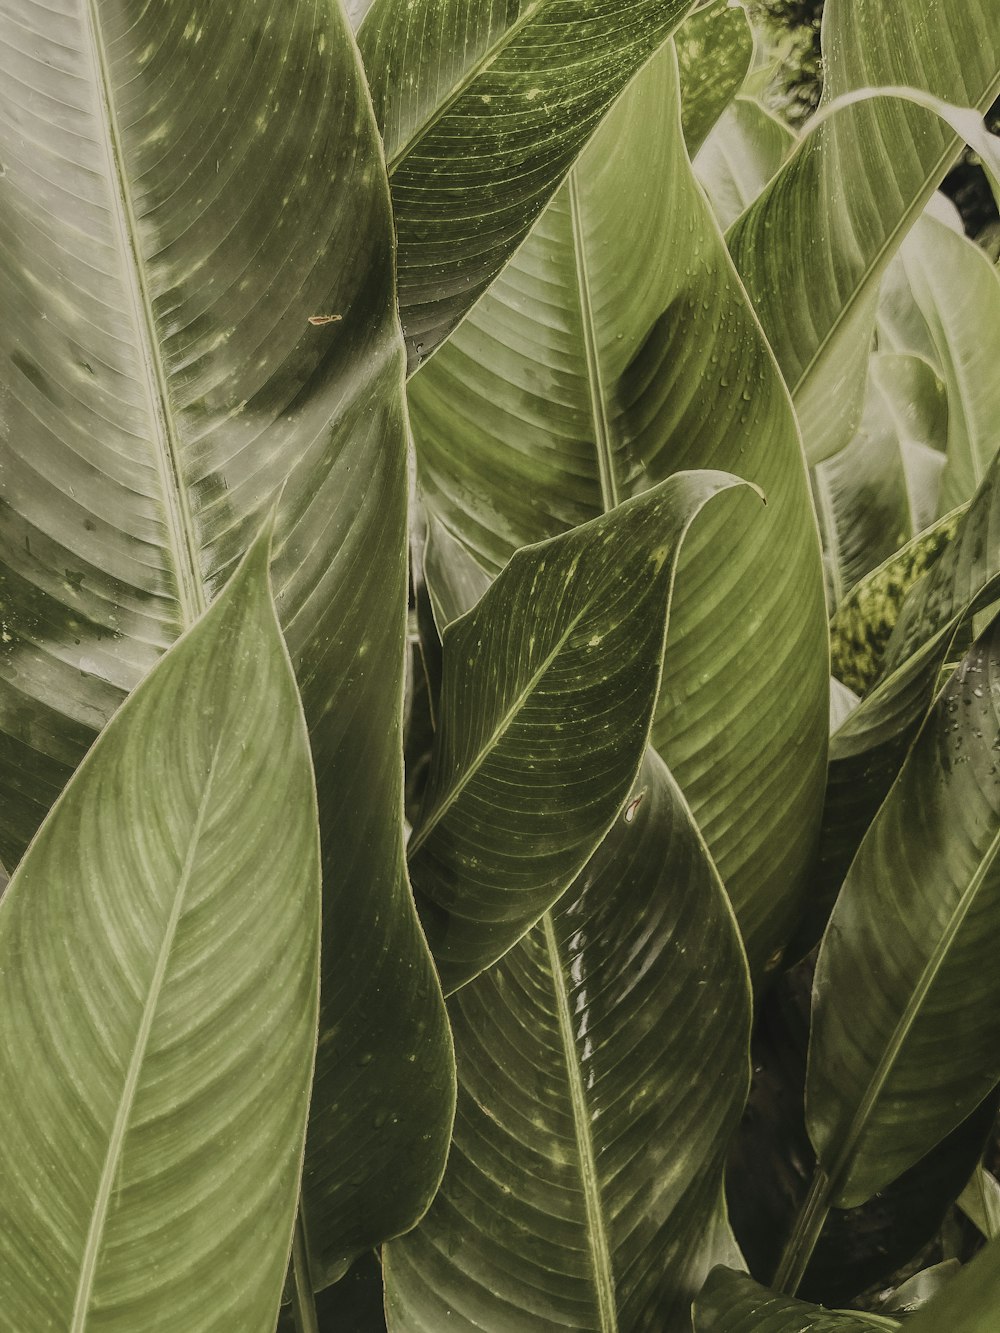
[(732, 1303), (714, 51), (159, 970), (603, 1065), (547, 696)]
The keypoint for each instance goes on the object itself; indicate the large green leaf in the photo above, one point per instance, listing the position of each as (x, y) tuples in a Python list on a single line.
[(906, 963), (732, 1303), (970, 1303), (616, 349), (484, 105), (813, 249), (159, 973), (184, 188), (602, 1065), (548, 691), (956, 290)]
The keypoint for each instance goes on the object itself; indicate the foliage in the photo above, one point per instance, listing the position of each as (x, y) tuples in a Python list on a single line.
[(444, 447)]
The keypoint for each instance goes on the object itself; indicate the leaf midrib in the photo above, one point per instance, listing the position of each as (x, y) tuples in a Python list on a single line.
[(861, 288), (903, 1028), (191, 592), (116, 1141), (597, 1236)]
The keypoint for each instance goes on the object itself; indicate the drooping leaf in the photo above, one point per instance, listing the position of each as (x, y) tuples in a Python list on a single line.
[(184, 188), (714, 50), (159, 970), (548, 691), (957, 292), (969, 1304), (733, 1303), (906, 961), (745, 150), (616, 349), (583, 1188), (479, 132), (813, 249)]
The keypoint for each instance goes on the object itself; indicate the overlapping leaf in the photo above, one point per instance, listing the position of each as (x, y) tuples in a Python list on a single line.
[(906, 962), (616, 349), (717, 37), (484, 106), (184, 189), (814, 247), (548, 691), (731, 1303), (744, 151), (584, 1184), (159, 969), (969, 1303)]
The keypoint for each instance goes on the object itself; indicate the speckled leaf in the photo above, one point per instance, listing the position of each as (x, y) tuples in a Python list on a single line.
[(583, 1189), (744, 151), (812, 250), (906, 962), (714, 50), (184, 188), (616, 349), (733, 1303), (548, 692), (484, 105), (159, 977)]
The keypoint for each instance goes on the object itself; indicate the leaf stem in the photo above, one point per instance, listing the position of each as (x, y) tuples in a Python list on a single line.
[(805, 1235), (303, 1301)]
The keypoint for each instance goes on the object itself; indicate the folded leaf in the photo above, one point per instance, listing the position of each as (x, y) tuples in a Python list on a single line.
[(906, 962), (159, 970), (480, 131), (813, 248), (547, 697), (616, 349), (185, 187), (584, 1185), (732, 1303)]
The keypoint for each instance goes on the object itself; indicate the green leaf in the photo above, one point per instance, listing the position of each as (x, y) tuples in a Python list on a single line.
[(480, 131), (616, 349), (745, 150), (160, 382), (733, 1303), (916, 1291), (714, 50), (584, 1185), (813, 249), (159, 968), (980, 1201), (906, 962), (969, 1304), (548, 691), (957, 291)]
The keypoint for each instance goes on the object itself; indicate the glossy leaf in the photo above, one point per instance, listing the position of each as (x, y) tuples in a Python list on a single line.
[(480, 132), (814, 247), (184, 188), (745, 150), (715, 47), (957, 291), (583, 1188), (616, 349), (548, 691), (159, 969), (969, 1304), (733, 1303), (906, 960)]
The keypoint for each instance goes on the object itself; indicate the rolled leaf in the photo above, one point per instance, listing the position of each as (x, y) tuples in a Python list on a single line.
[(584, 1185), (906, 960), (814, 247), (479, 132), (616, 349), (733, 1303), (547, 697), (159, 970), (185, 188)]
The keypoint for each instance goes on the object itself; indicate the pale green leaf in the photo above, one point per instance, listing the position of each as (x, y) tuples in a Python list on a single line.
[(744, 150), (980, 1201), (969, 1304), (603, 1066), (159, 969)]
